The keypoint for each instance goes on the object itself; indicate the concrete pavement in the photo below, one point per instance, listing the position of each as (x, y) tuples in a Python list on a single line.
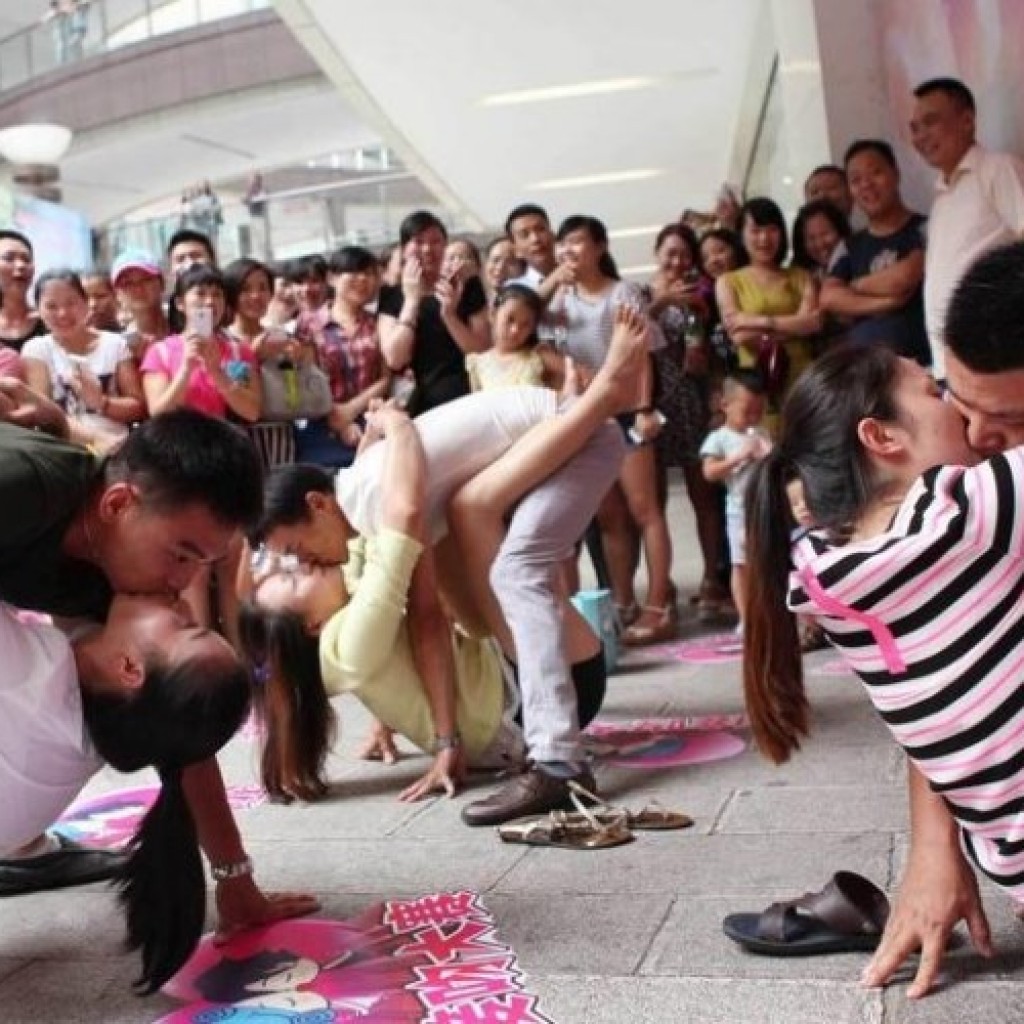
[(627, 934)]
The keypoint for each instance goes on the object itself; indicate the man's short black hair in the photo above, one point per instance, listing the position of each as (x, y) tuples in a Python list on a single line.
[(984, 326), (951, 87), (284, 497), (879, 146), (184, 457), (191, 235), (826, 169), (525, 210)]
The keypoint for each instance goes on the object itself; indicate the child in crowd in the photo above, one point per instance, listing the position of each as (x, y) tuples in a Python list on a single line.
[(729, 454), (517, 357)]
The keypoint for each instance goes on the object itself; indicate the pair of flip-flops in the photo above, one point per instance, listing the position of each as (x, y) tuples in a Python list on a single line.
[(847, 916), (593, 825)]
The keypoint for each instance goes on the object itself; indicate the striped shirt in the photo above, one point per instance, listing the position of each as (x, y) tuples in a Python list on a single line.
[(930, 615)]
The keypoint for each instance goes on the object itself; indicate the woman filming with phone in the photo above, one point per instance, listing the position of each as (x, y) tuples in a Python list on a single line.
[(206, 369)]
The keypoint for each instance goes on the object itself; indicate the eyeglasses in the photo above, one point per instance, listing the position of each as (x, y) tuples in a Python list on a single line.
[(266, 561)]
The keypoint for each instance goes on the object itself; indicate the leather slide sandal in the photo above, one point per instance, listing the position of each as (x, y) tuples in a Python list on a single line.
[(847, 916)]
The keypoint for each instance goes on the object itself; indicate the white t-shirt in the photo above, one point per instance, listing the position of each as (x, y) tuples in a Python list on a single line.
[(107, 354), (109, 351), (46, 756)]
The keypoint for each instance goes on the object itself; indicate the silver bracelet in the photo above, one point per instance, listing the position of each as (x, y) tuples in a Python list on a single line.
[(237, 869)]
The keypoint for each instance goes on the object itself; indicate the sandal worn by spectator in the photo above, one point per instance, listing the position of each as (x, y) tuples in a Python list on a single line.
[(663, 627)]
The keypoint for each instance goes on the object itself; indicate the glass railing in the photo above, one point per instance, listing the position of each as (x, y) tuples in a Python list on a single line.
[(74, 30), (366, 211)]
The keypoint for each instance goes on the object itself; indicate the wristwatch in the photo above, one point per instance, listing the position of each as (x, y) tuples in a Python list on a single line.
[(452, 742), (237, 869)]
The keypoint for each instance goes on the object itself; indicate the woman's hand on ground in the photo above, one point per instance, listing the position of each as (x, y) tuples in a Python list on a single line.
[(242, 904), (445, 775), (939, 889), (379, 745)]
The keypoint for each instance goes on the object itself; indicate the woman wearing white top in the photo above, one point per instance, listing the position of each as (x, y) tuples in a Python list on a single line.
[(89, 373), (588, 293)]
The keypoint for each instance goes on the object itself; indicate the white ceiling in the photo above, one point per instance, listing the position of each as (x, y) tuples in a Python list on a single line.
[(110, 171), (421, 78)]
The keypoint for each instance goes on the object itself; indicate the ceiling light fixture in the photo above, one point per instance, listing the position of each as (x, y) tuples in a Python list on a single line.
[(565, 92), (605, 178), (647, 229)]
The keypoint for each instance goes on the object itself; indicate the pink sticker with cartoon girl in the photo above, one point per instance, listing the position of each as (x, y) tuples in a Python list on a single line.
[(111, 819)]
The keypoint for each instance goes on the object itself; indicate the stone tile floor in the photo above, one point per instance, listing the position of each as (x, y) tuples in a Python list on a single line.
[(628, 934)]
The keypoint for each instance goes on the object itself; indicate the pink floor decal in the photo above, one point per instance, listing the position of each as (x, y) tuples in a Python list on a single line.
[(110, 820), (705, 650), (432, 960), (656, 742)]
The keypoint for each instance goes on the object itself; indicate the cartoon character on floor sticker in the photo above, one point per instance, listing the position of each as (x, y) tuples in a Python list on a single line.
[(433, 960), (660, 742), (110, 820), (705, 650)]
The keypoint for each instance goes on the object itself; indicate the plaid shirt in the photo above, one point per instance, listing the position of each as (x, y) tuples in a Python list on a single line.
[(353, 362)]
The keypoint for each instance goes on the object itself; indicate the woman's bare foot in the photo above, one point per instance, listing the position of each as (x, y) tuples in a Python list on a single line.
[(618, 380)]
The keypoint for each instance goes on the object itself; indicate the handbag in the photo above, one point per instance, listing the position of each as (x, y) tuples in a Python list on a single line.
[(773, 366), (294, 391)]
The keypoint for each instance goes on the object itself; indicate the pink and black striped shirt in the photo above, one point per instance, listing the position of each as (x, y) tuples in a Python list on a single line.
[(930, 615)]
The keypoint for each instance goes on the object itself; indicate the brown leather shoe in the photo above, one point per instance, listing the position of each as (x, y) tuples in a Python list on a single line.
[(533, 792)]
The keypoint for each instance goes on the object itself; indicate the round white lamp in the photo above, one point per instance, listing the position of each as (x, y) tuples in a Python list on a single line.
[(35, 150)]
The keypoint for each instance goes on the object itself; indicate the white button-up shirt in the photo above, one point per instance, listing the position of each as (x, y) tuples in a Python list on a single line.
[(978, 208)]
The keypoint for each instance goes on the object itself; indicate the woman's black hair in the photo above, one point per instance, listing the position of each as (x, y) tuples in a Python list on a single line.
[(598, 235), (351, 259), (181, 715), (299, 722), (727, 237), (685, 234), (237, 272), (522, 293), (820, 446), (816, 208), (65, 275), (765, 212), (17, 236), (302, 268), (416, 223), (197, 276)]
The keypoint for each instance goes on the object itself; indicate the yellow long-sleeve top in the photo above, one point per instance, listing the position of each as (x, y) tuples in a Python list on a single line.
[(365, 651)]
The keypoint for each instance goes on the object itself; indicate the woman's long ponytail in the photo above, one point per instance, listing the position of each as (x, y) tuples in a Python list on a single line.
[(181, 716), (162, 886), (773, 682)]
